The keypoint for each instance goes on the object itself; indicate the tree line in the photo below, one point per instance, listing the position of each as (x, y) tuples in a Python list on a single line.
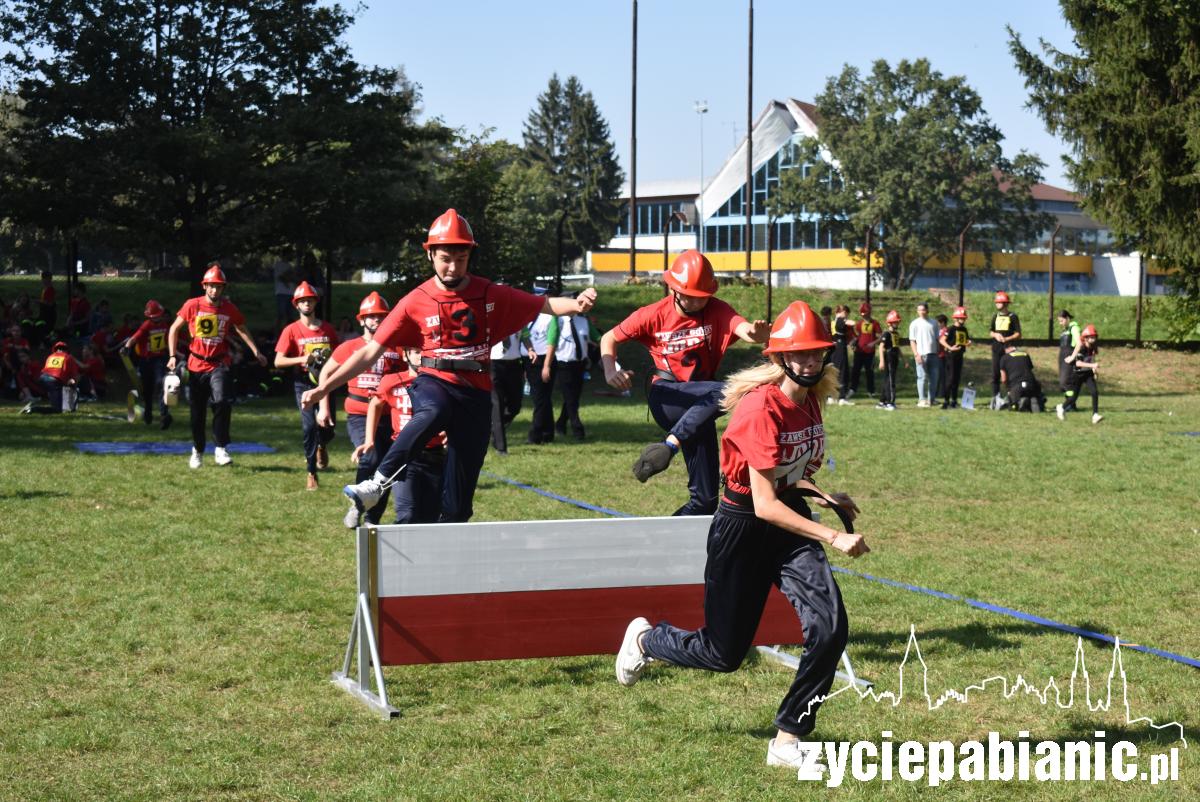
[(245, 131)]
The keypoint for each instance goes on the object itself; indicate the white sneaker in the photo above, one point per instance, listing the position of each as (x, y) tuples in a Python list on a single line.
[(630, 660), (845, 402), (350, 519), (1060, 412), (828, 399), (365, 494), (922, 403), (1097, 417), (793, 754), (221, 456), (194, 460)]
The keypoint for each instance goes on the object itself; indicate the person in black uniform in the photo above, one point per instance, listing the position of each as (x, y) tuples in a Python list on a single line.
[(1024, 390), (889, 361), (1068, 342), (841, 356), (956, 342), (1005, 329), (508, 387), (1084, 369)]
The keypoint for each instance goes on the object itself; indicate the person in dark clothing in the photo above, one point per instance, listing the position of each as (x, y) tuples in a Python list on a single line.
[(956, 341), (889, 361), (1024, 390), (867, 332), (1084, 369), (508, 387), (842, 332), (1006, 328), (1068, 342)]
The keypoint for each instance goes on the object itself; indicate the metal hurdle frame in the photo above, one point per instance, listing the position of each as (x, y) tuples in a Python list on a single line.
[(361, 672)]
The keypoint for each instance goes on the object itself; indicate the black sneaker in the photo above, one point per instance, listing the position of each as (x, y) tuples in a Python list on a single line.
[(166, 422), (654, 459)]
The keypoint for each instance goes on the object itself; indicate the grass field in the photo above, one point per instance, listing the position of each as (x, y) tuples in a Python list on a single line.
[(169, 634)]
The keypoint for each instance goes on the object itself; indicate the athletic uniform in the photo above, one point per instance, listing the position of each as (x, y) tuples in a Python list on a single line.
[(208, 365), (955, 335), (841, 357), (684, 398), (508, 388), (1022, 384), (59, 369), (543, 332), (150, 348), (866, 331), (891, 366), (418, 493), (360, 389), (746, 556), (1081, 377), (455, 330), (571, 357), (1008, 324), (1067, 340), (297, 339)]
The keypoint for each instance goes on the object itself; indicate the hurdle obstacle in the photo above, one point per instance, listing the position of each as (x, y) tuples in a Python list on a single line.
[(437, 593)]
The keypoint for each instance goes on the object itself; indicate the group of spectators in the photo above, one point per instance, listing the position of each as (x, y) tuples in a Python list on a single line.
[(937, 347)]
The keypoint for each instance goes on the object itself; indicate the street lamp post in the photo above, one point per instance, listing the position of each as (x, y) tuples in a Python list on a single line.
[(701, 110)]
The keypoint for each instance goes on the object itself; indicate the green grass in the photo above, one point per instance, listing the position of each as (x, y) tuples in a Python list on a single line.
[(169, 634)]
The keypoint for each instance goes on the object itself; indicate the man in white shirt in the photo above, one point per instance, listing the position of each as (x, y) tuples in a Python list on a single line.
[(923, 340)]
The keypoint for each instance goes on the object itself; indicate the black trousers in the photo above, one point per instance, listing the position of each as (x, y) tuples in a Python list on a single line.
[(953, 375), (841, 361), (891, 364), (542, 428), (746, 556), (508, 389), (212, 387), (1079, 380), (997, 355), (689, 410), (570, 382), (862, 361)]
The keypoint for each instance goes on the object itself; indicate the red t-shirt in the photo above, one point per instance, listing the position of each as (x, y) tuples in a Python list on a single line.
[(47, 296), (61, 366), (94, 369), (866, 331), (689, 347), (209, 327), (768, 430), (10, 344), (393, 389), (459, 324), (79, 309), (150, 340), (363, 385), (101, 341), (297, 339)]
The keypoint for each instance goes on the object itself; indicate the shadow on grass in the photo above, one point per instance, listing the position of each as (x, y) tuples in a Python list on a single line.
[(889, 647), (26, 495)]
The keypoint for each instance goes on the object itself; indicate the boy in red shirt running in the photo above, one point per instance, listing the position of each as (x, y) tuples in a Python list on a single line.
[(418, 493), (687, 333), (208, 320), (455, 318), (149, 345), (304, 345), (371, 312)]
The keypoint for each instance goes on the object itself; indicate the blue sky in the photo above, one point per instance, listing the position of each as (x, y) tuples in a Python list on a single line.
[(483, 64)]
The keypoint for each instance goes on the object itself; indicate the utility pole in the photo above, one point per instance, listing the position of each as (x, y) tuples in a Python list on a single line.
[(633, 156)]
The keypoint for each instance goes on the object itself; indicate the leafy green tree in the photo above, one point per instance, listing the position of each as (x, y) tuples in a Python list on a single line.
[(911, 153), (568, 136), (1127, 99), (211, 128)]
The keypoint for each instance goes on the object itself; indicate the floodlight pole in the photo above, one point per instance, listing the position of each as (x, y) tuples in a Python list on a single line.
[(1137, 334), (701, 109), (868, 261), (1053, 249), (962, 259), (750, 137), (633, 155)]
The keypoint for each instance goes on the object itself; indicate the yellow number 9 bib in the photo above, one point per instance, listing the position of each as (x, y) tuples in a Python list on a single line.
[(206, 326)]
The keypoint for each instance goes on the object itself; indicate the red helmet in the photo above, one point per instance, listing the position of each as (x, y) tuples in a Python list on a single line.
[(373, 304), (864, 308), (450, 228), (892, 317), (960, 313), (798, 328), (153, 309), (1001, 298), (59, 346), (304, 290), (1089, 331), (691, 274), (214, 275)]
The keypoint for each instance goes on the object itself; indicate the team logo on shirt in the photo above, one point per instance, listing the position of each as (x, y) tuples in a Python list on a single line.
[(800, 453), (672, 342)]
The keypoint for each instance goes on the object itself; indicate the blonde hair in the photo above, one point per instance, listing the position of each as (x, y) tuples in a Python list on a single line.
[(771, 372)]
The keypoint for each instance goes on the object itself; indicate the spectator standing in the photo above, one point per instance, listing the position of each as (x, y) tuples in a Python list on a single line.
[(508, 386), (867, 333), (842, 332), (1006, 328), (79, 312), (955, 341), (571, 359), (541, 372), (889, 361), (47, 306), (923, 342)]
